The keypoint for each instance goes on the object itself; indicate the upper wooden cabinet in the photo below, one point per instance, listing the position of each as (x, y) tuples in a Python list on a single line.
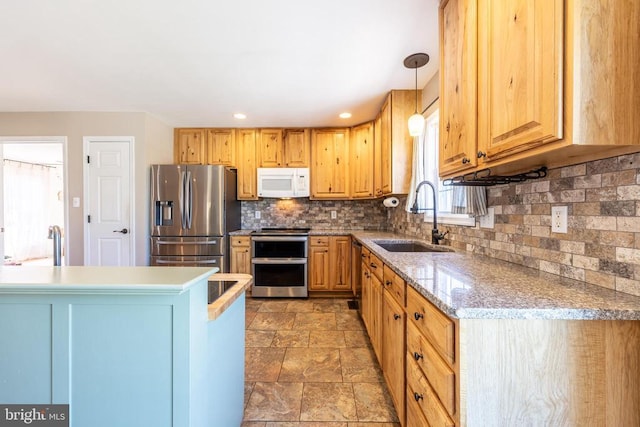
[(330, 164), (393, 160), (247, 171), (284, 148), (221, 147), (362, 157), (270, 152), (296, 147), (553, 83), (521, 51), (190, 146), (458, 85)]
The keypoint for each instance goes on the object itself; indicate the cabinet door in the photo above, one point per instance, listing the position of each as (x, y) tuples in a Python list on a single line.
[(393, 350), (247, 173), (362, 152), (270, 152), (376, 316), (189, 146), (330, 158), (221, 147), (520, 75), (319, 268), (297, 146), (340, 262), (458, 86), (365, 282)]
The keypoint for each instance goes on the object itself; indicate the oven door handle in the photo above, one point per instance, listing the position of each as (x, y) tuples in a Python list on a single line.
[(278, 260), (279, 238)]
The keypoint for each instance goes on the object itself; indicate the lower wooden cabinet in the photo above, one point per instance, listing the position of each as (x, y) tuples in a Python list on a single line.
[(330, 263), (393, 350), (240, 254)]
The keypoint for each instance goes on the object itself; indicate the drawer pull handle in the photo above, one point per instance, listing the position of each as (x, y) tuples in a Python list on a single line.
[(417, 356), (417, 396), (373, 265), (418, 316), (396, 316), (388, 283)]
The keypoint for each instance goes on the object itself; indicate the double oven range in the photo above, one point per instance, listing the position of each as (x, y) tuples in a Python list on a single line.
[(279, 262)]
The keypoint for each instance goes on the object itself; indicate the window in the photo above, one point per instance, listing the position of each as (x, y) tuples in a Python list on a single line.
[(430, 142)]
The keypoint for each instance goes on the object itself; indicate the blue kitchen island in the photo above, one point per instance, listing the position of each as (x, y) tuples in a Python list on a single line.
[(124, 346)]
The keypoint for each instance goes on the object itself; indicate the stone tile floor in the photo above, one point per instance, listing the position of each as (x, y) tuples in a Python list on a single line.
[(309, 363)]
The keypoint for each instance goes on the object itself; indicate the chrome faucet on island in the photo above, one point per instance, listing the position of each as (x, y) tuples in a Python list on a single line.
[(436, 236)]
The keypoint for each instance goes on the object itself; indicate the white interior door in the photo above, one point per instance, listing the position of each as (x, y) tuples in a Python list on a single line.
[(108, 200)]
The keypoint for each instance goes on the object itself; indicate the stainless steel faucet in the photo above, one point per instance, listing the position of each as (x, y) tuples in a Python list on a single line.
[(54, 233), (436, 236)]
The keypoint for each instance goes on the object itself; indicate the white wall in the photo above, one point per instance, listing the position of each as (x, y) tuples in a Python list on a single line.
[(153, 144)]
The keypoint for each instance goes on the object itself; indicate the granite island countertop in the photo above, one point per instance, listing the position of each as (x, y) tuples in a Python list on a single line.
[(469, 286)]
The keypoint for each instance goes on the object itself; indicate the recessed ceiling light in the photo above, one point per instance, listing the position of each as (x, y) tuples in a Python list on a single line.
[(240, 116), (345, 115)]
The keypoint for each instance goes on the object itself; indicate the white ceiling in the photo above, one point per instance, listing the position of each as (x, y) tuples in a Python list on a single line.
[(196, 62)]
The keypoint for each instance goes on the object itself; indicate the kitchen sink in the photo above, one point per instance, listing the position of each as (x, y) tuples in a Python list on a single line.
[(409, 246)]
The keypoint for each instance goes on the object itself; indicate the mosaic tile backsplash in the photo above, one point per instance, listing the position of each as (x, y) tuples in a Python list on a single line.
[(350, 214), (602, 245)]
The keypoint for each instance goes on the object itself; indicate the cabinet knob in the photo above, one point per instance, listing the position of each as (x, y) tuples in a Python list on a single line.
[(388, 283), (373, 265), (481, 154), (417, 396), (396, 316), (418, 316), (465, 161), (417, 356)]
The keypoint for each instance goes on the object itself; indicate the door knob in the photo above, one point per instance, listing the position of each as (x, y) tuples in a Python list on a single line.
[(123, 231)]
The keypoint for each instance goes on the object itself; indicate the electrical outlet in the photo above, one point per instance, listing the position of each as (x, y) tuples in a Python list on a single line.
[(488, 220), (258, 215), (559, 219), (334, 214)]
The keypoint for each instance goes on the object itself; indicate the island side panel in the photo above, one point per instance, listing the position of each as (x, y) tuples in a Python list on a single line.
[(121, 364), (549, 372), (226, 348), (25, 352)]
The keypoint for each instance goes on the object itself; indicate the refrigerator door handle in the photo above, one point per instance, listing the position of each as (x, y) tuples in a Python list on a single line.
[(181, 199), (189, 199)]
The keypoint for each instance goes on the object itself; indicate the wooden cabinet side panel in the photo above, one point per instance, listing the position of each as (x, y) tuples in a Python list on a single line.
[(403, 105)]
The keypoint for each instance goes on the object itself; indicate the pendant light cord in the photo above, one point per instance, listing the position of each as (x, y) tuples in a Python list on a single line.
[(416, 68)]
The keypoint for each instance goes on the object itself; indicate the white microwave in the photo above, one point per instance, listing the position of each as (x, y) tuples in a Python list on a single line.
[(283, 182)]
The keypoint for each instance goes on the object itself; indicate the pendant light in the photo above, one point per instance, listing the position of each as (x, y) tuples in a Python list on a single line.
[(416, 121)]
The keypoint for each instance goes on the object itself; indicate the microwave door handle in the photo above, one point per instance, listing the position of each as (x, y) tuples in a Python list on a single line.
[(294, 185)]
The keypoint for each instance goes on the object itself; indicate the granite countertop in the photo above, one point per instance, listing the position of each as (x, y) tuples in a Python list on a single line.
[(468, 286)]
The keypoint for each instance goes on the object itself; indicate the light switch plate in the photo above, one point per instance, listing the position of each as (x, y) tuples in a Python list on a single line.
[(258, 215), (76, 202), (334, 214)]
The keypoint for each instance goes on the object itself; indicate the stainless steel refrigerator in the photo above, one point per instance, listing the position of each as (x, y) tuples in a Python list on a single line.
[(193, 208)]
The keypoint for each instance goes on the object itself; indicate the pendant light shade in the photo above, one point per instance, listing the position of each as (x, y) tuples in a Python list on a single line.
[(416, 121), (416, 124)]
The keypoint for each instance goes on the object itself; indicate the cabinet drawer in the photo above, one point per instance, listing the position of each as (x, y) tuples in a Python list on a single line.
[(319, 241), (395, 285), (420, 393), (376, 266), (432, 323), (238, 241), (437, 372)]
